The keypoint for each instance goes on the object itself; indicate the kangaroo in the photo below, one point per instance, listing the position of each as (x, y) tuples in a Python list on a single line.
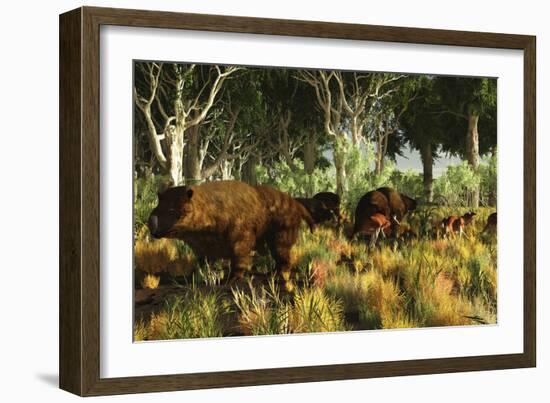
[(373, 226), (454, 224)]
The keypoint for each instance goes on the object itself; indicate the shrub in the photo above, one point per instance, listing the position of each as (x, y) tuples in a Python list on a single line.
[(262, 310), (295, 181), (197, 314), (314, 311), (455, 184), (346, 287), (382, 305), (458, 181), (155, 256), (145, 198)]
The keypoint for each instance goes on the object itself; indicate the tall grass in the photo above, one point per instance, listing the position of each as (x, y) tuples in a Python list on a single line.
[(314, 312), (196, 313), (342, 285), (262, 310)]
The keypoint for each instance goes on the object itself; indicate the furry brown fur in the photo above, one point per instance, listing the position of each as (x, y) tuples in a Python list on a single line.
[(491, 225), (371, 203), (454, 224), (331, 202), (227, 219), (373, 226), (317, 209)]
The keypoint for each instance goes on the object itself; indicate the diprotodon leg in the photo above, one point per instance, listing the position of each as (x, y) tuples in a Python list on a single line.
[(374, 238), (242, 258), (280, 246)]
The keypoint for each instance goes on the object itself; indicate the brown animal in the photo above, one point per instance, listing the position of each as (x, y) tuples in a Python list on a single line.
[(228, 219), (317, 209), (399, 205), (386, 201), (373, 226), (331, 202), (491, 225), (454, 224)]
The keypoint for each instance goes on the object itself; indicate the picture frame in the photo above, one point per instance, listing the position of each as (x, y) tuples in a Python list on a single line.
[(80, 154)]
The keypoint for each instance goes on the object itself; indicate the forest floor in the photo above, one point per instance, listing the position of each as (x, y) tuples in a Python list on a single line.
[(339, 285)]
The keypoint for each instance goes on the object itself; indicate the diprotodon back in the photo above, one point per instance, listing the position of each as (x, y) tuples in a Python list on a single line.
[(224, 203), (283, 209)]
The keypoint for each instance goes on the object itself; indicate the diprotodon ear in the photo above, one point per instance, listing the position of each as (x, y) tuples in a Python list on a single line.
[(189, 193)]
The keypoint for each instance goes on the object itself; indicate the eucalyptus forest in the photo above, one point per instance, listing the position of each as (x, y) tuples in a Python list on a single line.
[(306, 132)]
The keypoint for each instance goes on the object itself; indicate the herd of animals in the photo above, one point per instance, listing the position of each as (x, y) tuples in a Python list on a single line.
[(231, 219)]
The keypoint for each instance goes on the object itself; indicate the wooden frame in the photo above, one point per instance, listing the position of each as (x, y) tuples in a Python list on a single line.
[(79, 201)]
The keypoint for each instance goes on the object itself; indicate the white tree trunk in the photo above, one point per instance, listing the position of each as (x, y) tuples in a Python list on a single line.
[(174, 138), (427, 168), (339, 164), (226, 170), (472, 153)]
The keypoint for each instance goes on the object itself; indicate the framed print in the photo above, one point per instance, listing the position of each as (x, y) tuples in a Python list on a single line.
[(249, 201)]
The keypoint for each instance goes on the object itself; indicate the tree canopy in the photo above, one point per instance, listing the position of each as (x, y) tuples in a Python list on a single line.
[(194, 122)]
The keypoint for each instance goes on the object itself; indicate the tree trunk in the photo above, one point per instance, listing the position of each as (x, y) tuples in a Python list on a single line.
[(309, 155), (472, 152), (427, 167), (339, 165), (192, 156), (248, 173), (174, 138), (226, 168), (379, 162), (309, 161), (355, 131), (380, 153)]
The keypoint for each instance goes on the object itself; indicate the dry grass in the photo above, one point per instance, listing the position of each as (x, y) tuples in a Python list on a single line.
[(313, 312), (195, 314), (150, 281), (262, 310), (154, 256), (342, 286)]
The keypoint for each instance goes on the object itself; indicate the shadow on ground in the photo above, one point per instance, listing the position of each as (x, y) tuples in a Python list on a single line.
[(49, 379)]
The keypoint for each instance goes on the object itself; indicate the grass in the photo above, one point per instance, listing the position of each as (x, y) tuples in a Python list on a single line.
[(262, 310), (197, 313), (341, 285), (150, 281)]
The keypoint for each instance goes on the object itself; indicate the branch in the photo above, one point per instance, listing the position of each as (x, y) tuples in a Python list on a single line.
[(460, 115), (222, 156), (212, 96)]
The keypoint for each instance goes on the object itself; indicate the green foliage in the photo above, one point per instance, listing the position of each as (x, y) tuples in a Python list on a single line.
[(315, 312), (145, 198), (262, 310), (456, 184), (361, 177), (408, 182), (296, 182), (488, 180), (458, 181), (359, 164), (198, 313)]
